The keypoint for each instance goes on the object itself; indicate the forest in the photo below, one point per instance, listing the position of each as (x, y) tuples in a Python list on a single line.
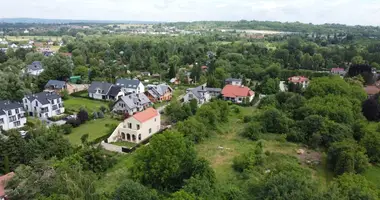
[(219, 150)]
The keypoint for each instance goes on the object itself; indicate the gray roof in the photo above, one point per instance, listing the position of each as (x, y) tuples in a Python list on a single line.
[(43, 97), (36, 65), (6, 105), (158, 90), (201, 90), (233, 79), (114, 91), (135, 100), (128, 83), (55, 84), (104, 86)]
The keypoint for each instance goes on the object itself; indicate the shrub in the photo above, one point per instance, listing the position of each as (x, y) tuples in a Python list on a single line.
[(103, 109), (100, 115), (252, 131), (67, 129), (95, 115), (82, 116), (74, 122), (65, 94)]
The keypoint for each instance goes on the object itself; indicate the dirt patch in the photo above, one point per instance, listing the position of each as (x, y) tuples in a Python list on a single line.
[(309, 157)]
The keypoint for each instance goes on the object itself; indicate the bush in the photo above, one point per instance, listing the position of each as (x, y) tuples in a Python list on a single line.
[(74, 122), (82, 116), (253, 131), (100, 115), (67, 129), (103, 109), (57, 118), (95, 115), (65, 94)]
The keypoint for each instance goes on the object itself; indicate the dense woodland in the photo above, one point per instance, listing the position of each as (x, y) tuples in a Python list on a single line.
[(332, 116)]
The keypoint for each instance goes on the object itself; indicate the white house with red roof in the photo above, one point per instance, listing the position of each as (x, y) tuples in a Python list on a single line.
[(299, 80), (338, 71), (138, 127), (237, 94)]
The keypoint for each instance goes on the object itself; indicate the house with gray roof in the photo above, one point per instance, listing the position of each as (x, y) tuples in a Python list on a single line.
[(55, 85), (12, 115), (35, 69), (233, 81), (43, 104), (159, 93), (130, 85), (132, 103), (104, 91), (201, 93)]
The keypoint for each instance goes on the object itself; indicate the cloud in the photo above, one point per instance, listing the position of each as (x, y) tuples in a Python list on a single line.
[(365, 12)]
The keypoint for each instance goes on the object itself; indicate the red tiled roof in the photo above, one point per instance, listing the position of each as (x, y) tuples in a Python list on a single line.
[(298, 79), (3, 179), (146, 115), (371, 90), (338, 69), (237, 91)]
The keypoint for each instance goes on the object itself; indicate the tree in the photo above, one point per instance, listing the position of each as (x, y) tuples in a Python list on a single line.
[(253, 131), (318, 61), (33, 56), (3, 57), (347, 156), (371, 142), (82, 116), (193, 129), (351, 186), (307, 61), (194, 106), (81, 71), (270, 86), (274, 121), (57, 67), (357, 60), (371, 109), (165, 163), (131, 190), (11, 86)]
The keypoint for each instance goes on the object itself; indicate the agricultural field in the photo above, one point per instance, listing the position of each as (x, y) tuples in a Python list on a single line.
[(27, 38)]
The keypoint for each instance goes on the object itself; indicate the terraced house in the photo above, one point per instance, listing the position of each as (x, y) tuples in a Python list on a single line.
[(158, 93), (44, 104), (12, 115)]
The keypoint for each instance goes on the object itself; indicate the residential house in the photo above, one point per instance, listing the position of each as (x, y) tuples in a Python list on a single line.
[(156, 75), (104, 91), (56, 86), (175, 81), (237, 94), (201, 93), (3, 181), (131, 86), (145, 73), (3, 41), (35, 68), (4, 50), (43, 104), (303, 81), (233, 81), (161, 92), (204, 68), (50, 42), (338, 71), (372, 90), (13, 46), (138, 127), (132, 103), (12, 115)]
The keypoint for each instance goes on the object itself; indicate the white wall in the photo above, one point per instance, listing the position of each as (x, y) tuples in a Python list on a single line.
[(6, 125)]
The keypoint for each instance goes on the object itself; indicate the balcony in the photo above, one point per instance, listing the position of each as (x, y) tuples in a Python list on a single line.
[(44, 110)]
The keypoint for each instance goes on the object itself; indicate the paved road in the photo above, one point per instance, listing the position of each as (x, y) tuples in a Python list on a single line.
[(111, 147)]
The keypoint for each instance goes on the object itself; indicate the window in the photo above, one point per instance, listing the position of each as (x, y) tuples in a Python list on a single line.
[(150, 131), (27, 107), (155, 119), (190, 96), (26, 101), (1, 128), (130, 125), (16, 123), (1, 121), (138, 127), (36, 103), (17, 111), (12, 118), (9, 112)]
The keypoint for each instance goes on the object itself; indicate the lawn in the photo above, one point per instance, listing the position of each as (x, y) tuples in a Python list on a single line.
[(76, 103), (94, 129)]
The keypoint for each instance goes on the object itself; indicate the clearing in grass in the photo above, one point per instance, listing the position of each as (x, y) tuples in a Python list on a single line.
[(76, 103)]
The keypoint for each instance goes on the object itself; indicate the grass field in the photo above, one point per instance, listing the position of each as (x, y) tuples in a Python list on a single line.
[(26, 38), (76, 103), (94, 129)]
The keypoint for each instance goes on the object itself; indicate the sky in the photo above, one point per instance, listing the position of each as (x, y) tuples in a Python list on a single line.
[(351, 12)]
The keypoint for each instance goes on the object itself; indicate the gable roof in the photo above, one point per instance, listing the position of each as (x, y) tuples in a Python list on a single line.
[(55, 84), (36, 65), (371, 90), (145, 115), (233, 79), (43, 97), (298, 79), (3, 180), (114, 91), (200, 91), (236, 91), (158, 90), (103, 86), (134, 100), (128, 83), (6, 105)]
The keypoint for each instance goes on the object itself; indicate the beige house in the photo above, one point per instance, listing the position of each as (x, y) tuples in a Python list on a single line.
[(138, 127)]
